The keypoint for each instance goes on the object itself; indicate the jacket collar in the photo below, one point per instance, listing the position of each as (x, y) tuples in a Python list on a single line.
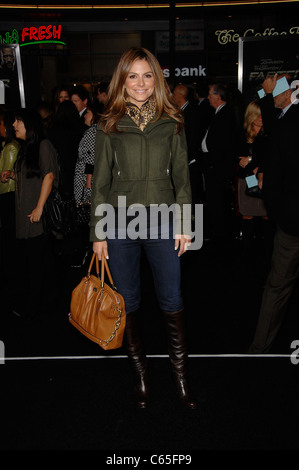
[(127, 122)]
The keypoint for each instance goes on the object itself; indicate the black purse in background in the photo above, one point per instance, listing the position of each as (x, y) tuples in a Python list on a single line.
[(252, 189), (60, 212), (83, 210), (60, 215)]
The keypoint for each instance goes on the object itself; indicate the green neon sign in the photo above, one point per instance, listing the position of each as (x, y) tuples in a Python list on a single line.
[(49, 34)]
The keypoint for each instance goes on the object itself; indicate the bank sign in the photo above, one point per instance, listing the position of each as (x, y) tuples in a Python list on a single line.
[(189, 54), (192, 72), (33, 35)]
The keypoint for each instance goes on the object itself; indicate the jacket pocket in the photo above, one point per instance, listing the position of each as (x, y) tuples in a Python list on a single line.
[(128, 163), (164, 184), (122, 186)]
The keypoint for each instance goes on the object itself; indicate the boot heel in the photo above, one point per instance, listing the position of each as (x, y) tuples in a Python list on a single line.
[(137, 358), (177, 348), (184, 393), (141, 391)]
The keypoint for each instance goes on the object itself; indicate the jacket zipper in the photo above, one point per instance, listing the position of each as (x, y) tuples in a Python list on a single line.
[(168, 166), (147, 160), (116, 161), (147, 169)]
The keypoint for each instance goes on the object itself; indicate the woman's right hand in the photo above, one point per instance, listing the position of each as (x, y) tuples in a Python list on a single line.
[(100, 248), (243, 161)]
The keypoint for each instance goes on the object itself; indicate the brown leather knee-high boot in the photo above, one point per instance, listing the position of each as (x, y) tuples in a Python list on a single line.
[(177, 348), (133, 344)]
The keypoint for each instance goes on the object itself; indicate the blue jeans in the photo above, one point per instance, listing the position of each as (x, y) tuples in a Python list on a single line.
[(124, 264)]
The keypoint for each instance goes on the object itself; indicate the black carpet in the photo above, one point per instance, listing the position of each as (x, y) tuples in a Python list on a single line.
[(60, 391)]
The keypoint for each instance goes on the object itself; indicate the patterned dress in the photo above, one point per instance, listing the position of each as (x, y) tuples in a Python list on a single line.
[(85, 159)]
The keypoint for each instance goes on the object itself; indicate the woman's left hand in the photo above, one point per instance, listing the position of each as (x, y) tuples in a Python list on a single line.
[(47, 183), (260, 180), (35, 215), (182, 242)]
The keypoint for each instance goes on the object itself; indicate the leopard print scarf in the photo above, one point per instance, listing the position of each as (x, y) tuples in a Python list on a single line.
[(142, 116)]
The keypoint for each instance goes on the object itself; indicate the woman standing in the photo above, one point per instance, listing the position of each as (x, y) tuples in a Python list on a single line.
[(85, 161), (60, 94), (252, 148), (141, 155), (35, 172), (65, 135), (83, 175), (8, 157)]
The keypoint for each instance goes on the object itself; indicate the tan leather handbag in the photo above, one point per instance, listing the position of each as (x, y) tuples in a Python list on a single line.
[(98, 310)]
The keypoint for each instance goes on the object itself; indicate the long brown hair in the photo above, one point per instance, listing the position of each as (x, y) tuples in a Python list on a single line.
[(116, 104)]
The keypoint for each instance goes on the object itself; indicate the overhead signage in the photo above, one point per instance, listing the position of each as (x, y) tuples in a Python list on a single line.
[(11, 75), (187, 66), (226, 36), (198, 71), (184, 41), (261, 57), (33, 35)]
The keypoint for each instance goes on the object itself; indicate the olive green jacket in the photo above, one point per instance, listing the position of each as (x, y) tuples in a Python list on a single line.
[(149, 167), (8, 157)]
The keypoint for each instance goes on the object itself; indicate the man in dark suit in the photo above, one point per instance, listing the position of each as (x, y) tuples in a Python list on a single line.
[(205, 110), (188, 106), (101, 95), (274, 108), (281, 195), (205, 115), (190, 113), (79, 97), (217, 161)]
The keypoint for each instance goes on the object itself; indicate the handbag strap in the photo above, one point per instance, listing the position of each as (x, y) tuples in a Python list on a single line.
[(104, 267)]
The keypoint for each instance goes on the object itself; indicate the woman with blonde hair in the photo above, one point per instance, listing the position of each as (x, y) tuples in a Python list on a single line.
[(252, 153), (141, 156)]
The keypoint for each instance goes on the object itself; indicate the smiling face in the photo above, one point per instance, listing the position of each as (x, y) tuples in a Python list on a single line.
[(140, 82)]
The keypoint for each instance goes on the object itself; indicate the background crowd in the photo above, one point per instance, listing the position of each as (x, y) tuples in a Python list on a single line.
[(228, 148)]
